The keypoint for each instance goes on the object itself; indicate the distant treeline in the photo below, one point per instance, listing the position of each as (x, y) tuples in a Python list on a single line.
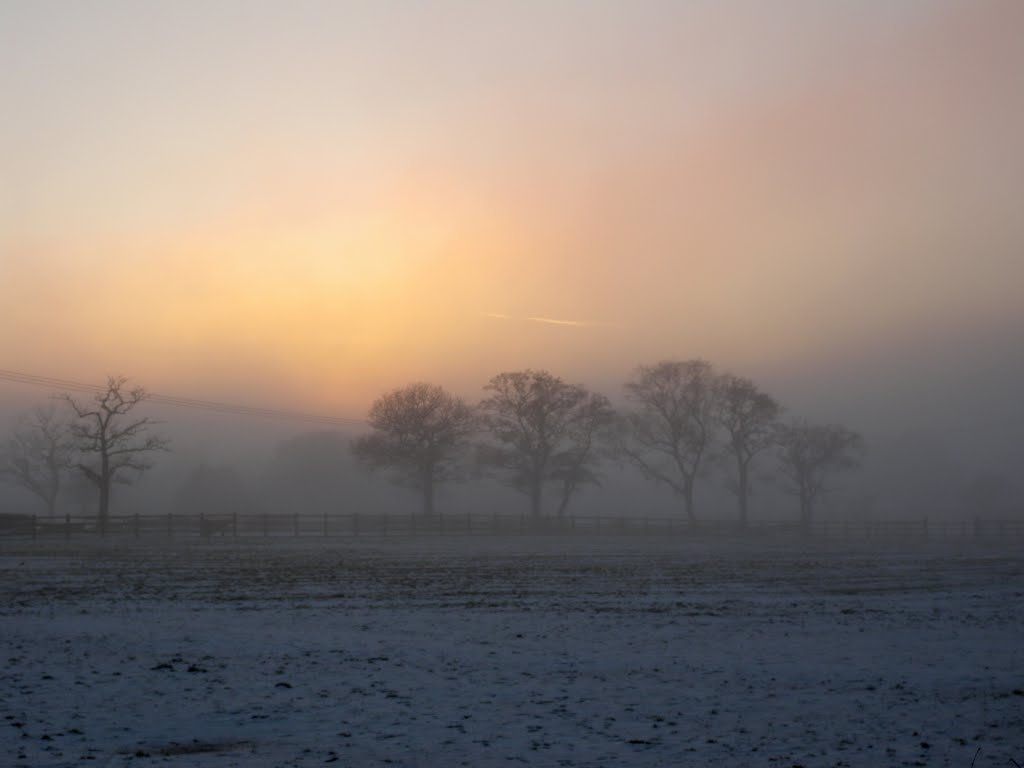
[(532, 431)]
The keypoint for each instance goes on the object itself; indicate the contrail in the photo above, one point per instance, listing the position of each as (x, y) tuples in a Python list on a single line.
[(552, 321), (577, 323)]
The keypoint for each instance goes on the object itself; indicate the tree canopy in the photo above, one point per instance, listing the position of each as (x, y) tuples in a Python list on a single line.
[(421, 433)]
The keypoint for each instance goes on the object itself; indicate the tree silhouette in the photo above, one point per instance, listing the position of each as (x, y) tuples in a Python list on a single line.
[(421, 432), (39, 454), (809, 454), (113, 446), (546, 430), (749, 418), (669, 432), (590, 435)]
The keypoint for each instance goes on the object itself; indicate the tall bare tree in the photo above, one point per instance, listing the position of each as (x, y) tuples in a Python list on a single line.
[(749, 419), (420, 431), (671, 428), (809, 454), (39, 453), (114, 445), (546, 430)]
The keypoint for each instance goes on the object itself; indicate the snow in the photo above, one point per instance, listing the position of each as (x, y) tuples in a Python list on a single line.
[(502, 652)]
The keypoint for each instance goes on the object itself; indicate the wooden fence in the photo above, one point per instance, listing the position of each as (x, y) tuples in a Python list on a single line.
[(295, 525)]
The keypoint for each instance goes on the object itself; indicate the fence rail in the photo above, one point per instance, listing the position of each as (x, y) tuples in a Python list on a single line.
[(296, 525)]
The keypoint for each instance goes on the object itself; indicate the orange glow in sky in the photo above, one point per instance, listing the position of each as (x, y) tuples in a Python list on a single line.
[(312, 205)]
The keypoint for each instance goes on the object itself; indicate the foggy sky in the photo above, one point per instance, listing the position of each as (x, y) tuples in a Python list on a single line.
[(309, 204)]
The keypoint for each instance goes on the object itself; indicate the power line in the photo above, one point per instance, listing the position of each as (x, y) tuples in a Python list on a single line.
[(233, 409)]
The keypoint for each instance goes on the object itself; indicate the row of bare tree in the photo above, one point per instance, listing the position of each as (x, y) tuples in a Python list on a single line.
[(534, 431), (537, 432), (100, 438)]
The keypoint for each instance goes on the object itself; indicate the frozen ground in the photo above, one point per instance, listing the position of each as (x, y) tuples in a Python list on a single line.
[(421, 654)]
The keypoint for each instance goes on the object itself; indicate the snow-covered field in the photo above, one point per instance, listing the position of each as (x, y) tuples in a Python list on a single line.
[(529, 651)]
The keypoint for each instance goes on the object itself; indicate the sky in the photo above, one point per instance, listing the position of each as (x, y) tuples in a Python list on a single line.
[(307, 204)]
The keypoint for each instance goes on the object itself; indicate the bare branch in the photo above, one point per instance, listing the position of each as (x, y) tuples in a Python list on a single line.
[(422, 433), (545, 430), (39, 453), (113, 449), (810, 453), (672, 426), (749, 419)]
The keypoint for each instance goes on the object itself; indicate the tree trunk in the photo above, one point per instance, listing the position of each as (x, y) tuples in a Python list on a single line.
[(105, 478), (691, 516), (564, 503), (806, 511), (428, 492), (104, 508), (742, 493), (536, 494)]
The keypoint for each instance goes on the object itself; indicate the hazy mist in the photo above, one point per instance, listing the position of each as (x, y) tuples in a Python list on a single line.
[(239, 204)]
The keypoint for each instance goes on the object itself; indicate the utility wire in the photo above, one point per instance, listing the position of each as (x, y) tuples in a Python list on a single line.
[(234, 409)]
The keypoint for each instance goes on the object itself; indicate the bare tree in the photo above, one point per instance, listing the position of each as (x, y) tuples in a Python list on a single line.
[(113, 445), (421, 432), (39, 454), (809, 454), (590, 438), (546, 430), (670, 431), (749, 418)]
